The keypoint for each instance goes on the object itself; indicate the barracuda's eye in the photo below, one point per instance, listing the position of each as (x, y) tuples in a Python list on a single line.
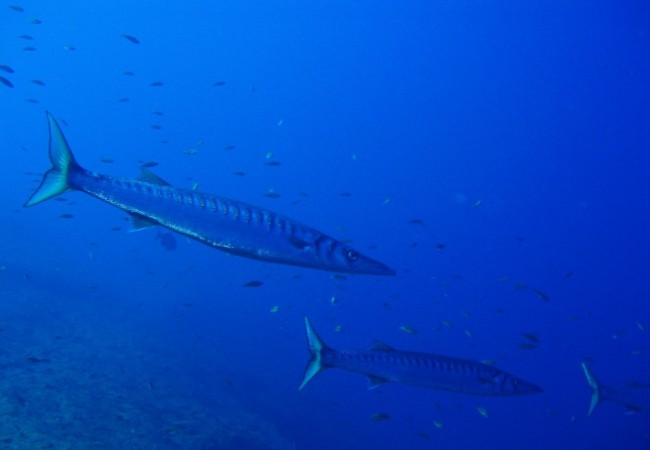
[(352, 255)]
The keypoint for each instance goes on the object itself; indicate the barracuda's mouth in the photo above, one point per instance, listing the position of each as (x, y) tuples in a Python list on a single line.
[(372, 267), (382, 269)]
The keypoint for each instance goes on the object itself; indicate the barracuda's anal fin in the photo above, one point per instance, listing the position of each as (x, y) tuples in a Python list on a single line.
[(139, 222), (375, 382)]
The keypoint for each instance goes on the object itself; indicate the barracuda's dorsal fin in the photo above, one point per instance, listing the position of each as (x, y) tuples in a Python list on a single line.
[(379, 345), (150, 177)]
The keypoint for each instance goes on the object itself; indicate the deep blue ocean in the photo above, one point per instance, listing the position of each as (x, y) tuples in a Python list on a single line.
[(494, 154)]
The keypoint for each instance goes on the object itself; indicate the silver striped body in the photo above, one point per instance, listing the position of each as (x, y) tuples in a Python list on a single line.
[(428, 370), (226, 224)]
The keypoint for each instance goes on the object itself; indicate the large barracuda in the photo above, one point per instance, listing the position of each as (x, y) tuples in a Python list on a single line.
[(222, 223), (383, 363), (633, 398)]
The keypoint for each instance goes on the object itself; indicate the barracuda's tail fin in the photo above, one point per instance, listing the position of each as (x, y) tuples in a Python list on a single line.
[(55, 180), (316, 347), (595, 388)]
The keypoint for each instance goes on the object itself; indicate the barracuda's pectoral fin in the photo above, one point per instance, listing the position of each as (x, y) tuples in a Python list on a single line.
[(139, 222), (299, 243), (485, 381), (150, 177), (375, 382)]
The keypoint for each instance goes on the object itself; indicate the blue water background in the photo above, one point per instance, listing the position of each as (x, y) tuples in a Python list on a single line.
[(487, 151)]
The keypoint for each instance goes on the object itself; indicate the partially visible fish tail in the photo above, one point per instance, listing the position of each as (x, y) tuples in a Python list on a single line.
[(316, 347), (56, 180), (595, 388)]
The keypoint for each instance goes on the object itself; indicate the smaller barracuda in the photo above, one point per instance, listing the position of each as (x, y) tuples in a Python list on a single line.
[(633, 398), (383, 363), (228, 225)]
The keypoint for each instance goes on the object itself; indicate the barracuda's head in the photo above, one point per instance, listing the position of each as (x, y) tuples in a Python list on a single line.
[(517, 386), (326, 253), (498, 382), (351, 261)]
